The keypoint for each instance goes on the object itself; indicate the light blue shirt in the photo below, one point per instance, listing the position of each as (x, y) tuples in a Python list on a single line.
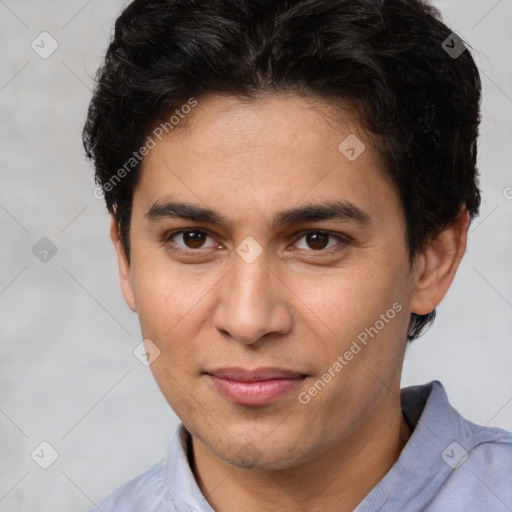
[(448, 465)]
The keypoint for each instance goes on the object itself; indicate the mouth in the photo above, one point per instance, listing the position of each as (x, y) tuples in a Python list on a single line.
[(260, 386)]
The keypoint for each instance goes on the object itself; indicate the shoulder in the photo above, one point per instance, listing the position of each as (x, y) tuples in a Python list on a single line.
[(168, 486), (482, 475), (449, 464), (147, 492)]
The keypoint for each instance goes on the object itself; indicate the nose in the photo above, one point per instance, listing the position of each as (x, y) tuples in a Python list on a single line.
[(253, 303)]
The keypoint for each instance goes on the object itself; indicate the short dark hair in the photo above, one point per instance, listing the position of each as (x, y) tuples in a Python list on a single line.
[(384, 57)]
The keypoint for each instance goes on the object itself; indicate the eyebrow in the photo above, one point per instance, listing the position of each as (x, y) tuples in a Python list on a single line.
[(340, 210)]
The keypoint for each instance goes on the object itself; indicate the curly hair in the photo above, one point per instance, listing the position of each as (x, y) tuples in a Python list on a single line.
[(387, 58)]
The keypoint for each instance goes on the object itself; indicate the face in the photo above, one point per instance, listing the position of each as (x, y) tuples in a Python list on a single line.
[(272, 274)]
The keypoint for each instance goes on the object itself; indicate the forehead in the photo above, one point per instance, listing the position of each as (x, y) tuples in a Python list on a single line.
[(224, 125), (276, 150)]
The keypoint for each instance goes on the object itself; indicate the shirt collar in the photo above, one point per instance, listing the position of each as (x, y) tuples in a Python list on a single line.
[(440, 440), (426, 408), (182, 483)]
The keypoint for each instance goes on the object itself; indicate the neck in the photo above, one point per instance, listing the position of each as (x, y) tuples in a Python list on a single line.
[(337, 479)]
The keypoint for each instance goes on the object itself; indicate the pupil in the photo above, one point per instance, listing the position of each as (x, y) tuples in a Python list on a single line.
[(193, 239), (317, 240)]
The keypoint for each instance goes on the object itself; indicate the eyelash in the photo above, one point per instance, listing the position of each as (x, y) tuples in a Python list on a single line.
[(343, 240)]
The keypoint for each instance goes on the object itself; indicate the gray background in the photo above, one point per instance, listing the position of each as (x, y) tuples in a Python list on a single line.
[(68, 375)]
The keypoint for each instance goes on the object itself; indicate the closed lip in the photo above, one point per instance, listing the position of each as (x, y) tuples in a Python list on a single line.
[(254, 387), (255, 375)]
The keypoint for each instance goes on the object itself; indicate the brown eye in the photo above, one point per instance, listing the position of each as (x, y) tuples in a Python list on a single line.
[(319, 240), (194, 239), (190, 239)]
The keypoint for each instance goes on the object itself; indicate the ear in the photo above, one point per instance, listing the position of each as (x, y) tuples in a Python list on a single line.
[(125, 273), (435, 268)]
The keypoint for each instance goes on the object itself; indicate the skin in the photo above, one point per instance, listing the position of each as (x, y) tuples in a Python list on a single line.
[(297, 306)]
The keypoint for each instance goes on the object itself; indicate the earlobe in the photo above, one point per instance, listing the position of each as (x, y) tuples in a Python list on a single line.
[(125, 273), (435, 268)]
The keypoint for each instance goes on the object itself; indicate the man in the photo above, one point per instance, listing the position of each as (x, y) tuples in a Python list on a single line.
[(291, 185)]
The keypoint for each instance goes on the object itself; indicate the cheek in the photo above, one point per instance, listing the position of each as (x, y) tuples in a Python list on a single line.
[(172, 303), (367, 318), (344, 303), (378, 319), (155, 302)]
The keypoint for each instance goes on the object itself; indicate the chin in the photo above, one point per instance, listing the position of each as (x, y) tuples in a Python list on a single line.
[(265, 455), (251, 458)]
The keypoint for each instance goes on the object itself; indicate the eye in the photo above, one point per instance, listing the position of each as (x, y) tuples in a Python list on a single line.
[(319, 241), (190, 239)]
